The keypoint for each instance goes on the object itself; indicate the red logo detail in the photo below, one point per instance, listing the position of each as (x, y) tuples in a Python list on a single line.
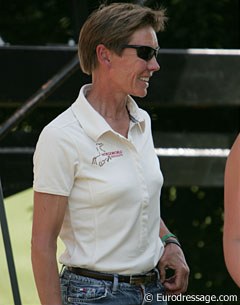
[(103, 156)]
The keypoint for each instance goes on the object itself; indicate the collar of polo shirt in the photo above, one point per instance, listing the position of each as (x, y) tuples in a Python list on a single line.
[(86, 115)]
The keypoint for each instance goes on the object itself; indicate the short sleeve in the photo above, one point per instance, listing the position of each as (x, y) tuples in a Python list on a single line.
[(54, 162)]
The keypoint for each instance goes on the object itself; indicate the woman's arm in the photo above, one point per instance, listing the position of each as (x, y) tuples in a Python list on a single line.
[(48, 216), (231, 234), (173, 258)]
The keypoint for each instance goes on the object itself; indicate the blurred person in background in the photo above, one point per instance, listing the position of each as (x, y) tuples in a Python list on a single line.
[(231, 236)]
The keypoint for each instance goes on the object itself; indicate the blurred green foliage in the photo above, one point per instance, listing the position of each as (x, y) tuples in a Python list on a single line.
[(192, 24), (35, 22), (196, 217), (202, 24)]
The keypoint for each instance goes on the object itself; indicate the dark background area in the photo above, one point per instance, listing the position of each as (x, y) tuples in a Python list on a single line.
[(194, 212), (192, 24)]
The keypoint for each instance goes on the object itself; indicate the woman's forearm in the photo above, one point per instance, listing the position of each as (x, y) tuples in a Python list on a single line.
[(48, 214), (46, 275), (232, 254)]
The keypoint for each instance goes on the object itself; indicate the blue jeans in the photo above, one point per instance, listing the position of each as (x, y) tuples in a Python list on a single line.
[(79, 290)]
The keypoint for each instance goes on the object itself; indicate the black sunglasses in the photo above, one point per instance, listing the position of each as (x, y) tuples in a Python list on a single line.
[(143, 52)]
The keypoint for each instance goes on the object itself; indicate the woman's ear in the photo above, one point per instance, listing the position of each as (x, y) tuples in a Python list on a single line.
[(103, 55)]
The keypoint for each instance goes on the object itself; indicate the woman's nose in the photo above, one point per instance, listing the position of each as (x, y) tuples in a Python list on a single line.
[(153, 64)]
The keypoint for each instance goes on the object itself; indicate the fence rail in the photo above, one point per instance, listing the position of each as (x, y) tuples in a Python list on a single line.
[(194, 103)]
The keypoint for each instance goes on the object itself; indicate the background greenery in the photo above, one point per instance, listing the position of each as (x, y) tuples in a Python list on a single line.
[(19, 213), (194, 214), (192, 24)]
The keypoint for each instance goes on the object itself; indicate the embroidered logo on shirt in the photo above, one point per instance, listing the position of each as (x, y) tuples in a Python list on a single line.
[(103, 156)]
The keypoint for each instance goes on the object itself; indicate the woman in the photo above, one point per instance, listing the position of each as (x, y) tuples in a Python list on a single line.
[(97, 179), (231, 237)]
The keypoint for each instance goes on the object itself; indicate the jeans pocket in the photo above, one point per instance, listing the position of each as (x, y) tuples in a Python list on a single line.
[(79, 293)]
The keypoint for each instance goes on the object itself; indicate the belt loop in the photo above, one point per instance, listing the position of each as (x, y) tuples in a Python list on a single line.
[(115, 283), (143, 293), (158, 273)]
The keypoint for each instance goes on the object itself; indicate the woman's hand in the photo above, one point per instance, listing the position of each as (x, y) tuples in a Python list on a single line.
[(173, 258)]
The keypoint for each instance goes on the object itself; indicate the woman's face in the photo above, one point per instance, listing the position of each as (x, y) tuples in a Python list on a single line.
[(130, 74)]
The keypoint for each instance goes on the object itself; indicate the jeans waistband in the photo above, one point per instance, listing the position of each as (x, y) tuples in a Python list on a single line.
[(138, 279)]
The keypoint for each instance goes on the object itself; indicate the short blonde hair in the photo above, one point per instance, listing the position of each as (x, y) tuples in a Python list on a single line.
[(113, 25)]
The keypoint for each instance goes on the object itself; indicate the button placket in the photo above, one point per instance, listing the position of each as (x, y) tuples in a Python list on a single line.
[(145, 196)]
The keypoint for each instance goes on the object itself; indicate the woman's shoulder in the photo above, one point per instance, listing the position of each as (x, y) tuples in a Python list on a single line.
[(62, 125), (235, 149)]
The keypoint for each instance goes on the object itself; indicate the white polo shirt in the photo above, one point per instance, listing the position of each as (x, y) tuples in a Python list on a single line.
[(113, 185)]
